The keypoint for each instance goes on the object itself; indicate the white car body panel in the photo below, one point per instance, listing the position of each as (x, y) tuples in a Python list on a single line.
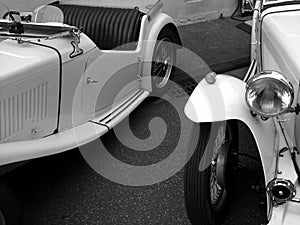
[(30, 108), (280, 44), (53, 144), (27, 77), (21, 62), (78, 113), (224, 100), (110, 79), (286, 214), (66, 140), (280, 38)]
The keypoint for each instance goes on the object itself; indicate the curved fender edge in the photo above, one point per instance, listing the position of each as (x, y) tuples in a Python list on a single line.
[(225, 100), (158, 23)]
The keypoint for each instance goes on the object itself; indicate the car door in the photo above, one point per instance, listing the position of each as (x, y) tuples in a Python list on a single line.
[(110, 77)]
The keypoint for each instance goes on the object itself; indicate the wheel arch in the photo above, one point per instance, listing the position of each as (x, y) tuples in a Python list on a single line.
[(155, 27), (224, 101), (177, 38)]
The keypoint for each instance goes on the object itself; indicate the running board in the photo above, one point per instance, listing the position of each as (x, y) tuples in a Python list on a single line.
[(120, 111)]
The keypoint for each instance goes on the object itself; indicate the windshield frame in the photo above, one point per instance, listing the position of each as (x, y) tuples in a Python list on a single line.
[(36, 30)]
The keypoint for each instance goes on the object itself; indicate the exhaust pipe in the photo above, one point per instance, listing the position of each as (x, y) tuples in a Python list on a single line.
[(281, 190)]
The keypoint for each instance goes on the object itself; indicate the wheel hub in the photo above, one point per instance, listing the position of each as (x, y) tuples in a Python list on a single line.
[(163, 63)]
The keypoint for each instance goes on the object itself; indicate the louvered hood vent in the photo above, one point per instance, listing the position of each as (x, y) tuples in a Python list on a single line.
[(25, 107)]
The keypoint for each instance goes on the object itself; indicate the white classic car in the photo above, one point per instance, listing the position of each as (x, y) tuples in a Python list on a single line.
[(72, 70), (267, 102)]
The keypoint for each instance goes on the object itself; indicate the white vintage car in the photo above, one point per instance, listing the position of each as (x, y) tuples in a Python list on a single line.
[(72, 70), (267, 102)]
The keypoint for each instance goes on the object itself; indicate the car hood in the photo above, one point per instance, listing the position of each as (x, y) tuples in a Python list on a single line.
[(143, 5), (281, 41), (18, 61)]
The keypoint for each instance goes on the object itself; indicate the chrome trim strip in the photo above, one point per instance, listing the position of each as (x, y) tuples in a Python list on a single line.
[(121, 109), (117, 108), (251, 71)]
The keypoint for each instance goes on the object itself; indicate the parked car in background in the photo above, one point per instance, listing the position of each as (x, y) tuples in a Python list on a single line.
[(71, 71), (267, 102)]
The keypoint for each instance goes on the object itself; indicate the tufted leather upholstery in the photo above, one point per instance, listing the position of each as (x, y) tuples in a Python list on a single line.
[(109, 28)]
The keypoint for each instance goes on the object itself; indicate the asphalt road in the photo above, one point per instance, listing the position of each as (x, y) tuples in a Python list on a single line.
[(64, 189)]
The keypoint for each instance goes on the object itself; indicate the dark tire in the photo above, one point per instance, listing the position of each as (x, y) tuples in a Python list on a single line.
[(9, 207), (163, 61), (208, 174)]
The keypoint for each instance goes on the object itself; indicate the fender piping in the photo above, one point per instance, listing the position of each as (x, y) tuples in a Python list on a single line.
[(100, 124)]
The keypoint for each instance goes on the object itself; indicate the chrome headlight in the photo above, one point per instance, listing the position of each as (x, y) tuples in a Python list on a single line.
[(269, 94)]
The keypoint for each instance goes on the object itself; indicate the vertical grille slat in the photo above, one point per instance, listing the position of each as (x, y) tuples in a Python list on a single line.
[(46, 100), (1, 122), (26, 107), (38, 103), (23, 109), (43, 101), (18, 112), (9, 117), (14, 111), (30, 104)]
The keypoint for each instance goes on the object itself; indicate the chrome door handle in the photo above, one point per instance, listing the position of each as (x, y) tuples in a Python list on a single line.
[(91, 81)]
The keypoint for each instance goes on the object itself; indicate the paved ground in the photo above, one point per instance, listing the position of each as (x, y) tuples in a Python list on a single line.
[(64, 189), (221, 45)]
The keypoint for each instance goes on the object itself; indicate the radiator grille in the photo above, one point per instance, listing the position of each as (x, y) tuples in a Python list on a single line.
[(26, 107)]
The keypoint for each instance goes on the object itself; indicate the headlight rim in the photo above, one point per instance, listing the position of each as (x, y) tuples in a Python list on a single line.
[(272, 75)]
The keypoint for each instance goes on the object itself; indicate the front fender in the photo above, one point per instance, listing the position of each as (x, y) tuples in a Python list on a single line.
[(224, 100)]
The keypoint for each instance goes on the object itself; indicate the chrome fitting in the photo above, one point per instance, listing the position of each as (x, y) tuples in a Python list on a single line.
[(281, 190), (211, 77)]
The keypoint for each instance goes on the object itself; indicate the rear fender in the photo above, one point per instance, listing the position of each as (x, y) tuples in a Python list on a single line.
[(154, 27), (224, 100)]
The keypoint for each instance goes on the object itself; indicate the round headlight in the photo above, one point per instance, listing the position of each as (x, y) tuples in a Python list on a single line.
[(269, 94)]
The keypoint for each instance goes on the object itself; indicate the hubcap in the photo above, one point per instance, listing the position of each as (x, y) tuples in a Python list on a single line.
[(162, 62)]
